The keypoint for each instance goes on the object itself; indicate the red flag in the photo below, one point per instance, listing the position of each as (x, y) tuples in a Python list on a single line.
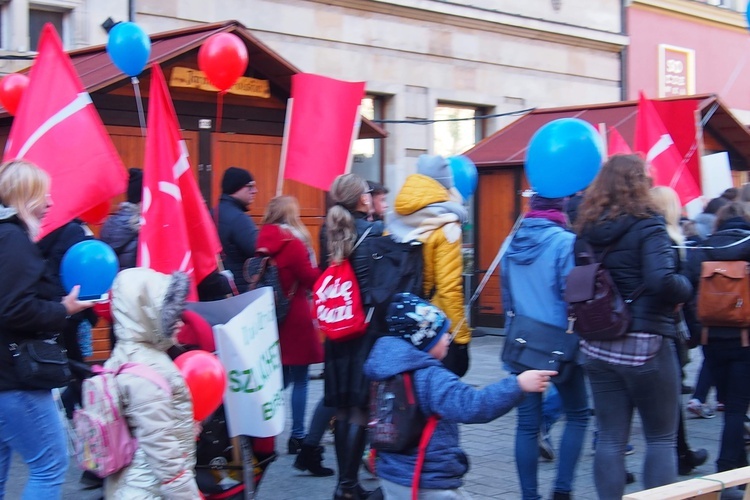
[(322, 124), (58, 128), (177, 233), (616, 144), (201, 229), (667, 166)]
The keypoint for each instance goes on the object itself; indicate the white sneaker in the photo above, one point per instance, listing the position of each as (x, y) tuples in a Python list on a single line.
[(701, 410)]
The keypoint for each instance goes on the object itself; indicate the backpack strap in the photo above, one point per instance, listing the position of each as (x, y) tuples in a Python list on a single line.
[(429, 430), (145, 371), (586, 252), (361, 238)]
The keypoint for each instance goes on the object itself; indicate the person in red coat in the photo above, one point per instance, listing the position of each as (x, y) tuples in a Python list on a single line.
[(285, 238)]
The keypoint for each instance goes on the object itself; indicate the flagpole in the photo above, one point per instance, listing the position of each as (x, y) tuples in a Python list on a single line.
[(284, 145), (355, 133)]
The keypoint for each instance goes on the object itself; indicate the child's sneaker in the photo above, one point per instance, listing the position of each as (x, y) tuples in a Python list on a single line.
[(701, 410)]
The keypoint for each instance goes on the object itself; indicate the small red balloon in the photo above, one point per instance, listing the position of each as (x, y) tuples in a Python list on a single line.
[(12, 88), (206, 378), (96, 214), (223, 58)]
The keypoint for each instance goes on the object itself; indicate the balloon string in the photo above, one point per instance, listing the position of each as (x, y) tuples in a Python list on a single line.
[(216, 143), (219, 109), (139, 103)]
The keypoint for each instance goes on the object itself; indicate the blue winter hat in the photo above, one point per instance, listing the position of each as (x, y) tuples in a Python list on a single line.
[(416, 321)]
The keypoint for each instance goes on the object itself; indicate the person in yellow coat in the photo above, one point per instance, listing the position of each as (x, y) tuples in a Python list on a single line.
[(428, 208)]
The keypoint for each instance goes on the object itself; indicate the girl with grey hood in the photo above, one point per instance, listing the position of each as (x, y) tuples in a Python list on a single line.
[(146, 308)]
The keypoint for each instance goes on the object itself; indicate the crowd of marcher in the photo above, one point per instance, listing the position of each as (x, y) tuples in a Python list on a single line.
[(637, 232)]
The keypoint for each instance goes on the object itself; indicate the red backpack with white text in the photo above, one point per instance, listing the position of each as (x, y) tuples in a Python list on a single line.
[(337, 301)]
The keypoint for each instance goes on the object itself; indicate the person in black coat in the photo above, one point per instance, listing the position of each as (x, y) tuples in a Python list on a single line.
[(346, 386), (53, 247), (617, 218), (727, 356), (237, 231), (120, 230), (29, 309)]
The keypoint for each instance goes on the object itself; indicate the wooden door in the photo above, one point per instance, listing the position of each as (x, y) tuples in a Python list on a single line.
[(498, 203), (260, 155)]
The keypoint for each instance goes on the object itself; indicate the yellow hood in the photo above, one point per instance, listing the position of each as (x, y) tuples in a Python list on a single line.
[(418, 192)]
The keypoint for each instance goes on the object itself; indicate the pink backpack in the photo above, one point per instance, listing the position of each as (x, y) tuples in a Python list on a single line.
[(104, 444)]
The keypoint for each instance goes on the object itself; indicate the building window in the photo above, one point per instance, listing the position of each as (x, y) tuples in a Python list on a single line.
[(455, 130), (367, 152), (38, 18)]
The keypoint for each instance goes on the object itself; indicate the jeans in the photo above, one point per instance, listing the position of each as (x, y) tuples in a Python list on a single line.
[(319, 423), (552, 408), (729, 365), (574, 402), (297, 375), (30, 425), (653, 388)]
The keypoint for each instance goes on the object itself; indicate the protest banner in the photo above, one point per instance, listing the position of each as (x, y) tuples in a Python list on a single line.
[(247, 343)]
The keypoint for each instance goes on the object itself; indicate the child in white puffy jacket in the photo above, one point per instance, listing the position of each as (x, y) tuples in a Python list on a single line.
[(146, 308)]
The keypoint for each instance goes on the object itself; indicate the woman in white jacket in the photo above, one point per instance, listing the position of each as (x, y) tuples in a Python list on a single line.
[(146, 307)]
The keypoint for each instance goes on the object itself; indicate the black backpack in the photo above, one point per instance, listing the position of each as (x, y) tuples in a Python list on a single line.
[(396, 422), (260, 271), (394, 268)]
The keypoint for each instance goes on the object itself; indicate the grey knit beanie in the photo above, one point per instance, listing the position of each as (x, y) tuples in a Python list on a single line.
[(437, 167)]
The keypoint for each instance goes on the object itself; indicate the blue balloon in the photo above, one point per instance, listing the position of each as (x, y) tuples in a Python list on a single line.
[(93, 265), (464, 175), (563, 157), (129, 47)]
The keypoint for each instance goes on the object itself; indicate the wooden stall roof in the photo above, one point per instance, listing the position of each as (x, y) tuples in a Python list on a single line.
[(507, 147), (99, 75)]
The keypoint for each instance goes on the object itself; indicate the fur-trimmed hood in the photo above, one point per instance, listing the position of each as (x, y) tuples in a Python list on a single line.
[(146, 306)]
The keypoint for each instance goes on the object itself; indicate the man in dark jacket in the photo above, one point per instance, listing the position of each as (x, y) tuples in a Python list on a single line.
[(120, 231), (237, 231)]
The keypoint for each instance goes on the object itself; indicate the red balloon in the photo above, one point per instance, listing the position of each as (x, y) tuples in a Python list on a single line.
[(103, 310), (12, 88), (223, 58), (206, 378), (96, 214)]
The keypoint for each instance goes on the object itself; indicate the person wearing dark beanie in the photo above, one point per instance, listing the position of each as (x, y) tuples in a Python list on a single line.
[(135, 185), (120, 230), (416, 339), (237, 231)]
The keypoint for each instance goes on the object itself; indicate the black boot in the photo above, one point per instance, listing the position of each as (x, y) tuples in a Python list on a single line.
[(349, 487), (310, 458), (690, 460)]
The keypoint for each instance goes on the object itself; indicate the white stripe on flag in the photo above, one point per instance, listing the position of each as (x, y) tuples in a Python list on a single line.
[(171, 189), (80, 102)]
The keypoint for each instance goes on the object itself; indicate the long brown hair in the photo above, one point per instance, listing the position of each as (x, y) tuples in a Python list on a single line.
[(24, 187), (346, 192), (285, 210), (621, 188)]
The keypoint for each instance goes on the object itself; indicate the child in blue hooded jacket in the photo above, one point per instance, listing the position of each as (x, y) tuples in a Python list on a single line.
[(416, 341)]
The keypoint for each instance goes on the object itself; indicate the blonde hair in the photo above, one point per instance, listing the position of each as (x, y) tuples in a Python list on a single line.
[(285, 210), (24, 187), (667, 203), (346, 192)]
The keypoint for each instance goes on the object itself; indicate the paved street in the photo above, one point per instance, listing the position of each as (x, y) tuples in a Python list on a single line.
[(489, 446)]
